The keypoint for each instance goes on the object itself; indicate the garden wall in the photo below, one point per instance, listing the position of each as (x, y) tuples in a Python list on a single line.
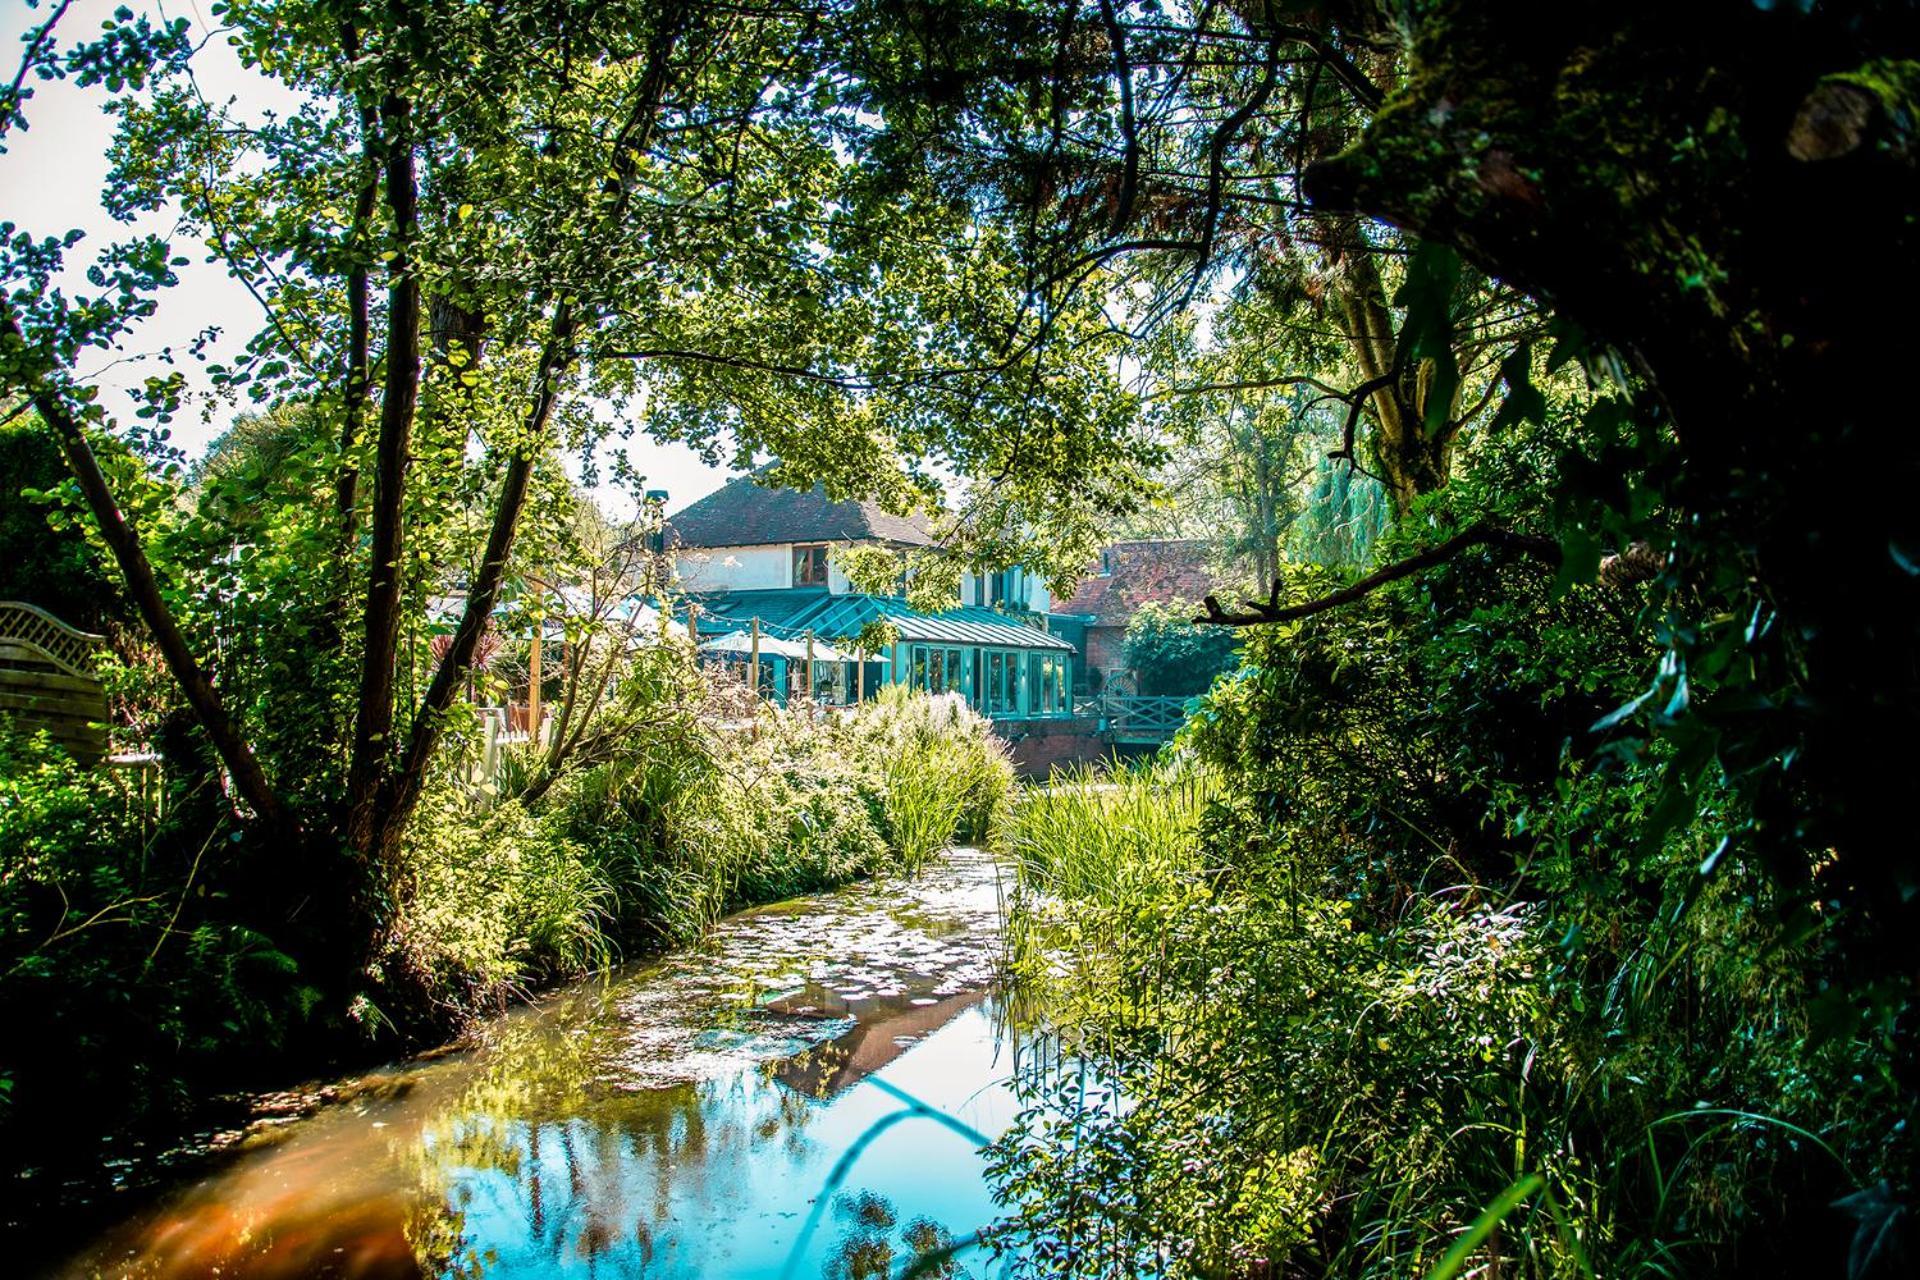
[(1039, 745)]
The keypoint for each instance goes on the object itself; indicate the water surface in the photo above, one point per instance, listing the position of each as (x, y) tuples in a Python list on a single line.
[(804, 1095)]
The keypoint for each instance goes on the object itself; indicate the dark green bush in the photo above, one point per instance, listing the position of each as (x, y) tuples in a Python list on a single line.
[(1437, 938), (130, 965), (1170, 656)]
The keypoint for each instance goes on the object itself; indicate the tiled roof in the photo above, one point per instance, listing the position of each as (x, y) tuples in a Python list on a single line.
[(1136, 573), (748, 513), (790, 613)]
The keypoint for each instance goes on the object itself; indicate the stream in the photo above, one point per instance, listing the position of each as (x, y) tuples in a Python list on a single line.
[(802, 1095)]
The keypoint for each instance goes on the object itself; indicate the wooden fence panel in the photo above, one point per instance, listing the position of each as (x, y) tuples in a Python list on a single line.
[(47, 680)]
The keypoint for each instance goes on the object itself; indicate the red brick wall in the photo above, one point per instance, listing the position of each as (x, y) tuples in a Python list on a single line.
[(1106, 649), (1039, 745)]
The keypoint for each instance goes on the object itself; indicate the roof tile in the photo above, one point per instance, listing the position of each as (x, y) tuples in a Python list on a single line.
[(747, 513)]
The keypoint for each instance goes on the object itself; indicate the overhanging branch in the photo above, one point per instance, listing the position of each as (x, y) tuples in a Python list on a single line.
[(1259, 612)]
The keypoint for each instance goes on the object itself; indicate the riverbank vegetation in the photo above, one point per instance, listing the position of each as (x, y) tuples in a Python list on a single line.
[(1396, 948), (1535, 892), (138, 975)]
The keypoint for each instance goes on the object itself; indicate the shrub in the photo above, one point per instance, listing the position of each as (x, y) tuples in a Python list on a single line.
[(129, 962), (489, 900), (1171, 656), (1424, 942)]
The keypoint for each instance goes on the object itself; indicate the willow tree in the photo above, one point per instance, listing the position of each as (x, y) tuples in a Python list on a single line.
[(1156, 150)]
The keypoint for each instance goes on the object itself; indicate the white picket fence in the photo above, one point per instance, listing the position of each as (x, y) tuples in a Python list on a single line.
[(496, 738)]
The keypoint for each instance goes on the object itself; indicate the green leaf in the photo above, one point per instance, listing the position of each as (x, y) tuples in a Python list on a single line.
[(1505, 1203), (1579, 560)]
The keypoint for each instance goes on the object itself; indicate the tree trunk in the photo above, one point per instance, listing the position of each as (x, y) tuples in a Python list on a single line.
[(373, 725), (402, 791)]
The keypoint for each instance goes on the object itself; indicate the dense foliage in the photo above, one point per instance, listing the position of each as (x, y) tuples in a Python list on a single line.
[(1400, 927), (135, 958), (1543, 900), (45, 559), (1171, 655)]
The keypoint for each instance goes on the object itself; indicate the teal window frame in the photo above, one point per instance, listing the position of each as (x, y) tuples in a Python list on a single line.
[(937, 668)]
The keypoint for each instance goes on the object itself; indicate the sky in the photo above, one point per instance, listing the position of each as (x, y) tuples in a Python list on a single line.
[(50, 181)]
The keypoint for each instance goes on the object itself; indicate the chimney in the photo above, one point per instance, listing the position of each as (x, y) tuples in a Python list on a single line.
[(656, 503)]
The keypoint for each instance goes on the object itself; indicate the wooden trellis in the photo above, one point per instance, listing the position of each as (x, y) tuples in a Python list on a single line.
[(47, 680)]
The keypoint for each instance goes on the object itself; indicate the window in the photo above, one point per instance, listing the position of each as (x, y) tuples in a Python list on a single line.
[(936, 669), (1046, 682), (1002, 676), (810, 566)]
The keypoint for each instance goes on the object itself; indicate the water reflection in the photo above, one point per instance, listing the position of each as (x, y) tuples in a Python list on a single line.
[(803, 1097)]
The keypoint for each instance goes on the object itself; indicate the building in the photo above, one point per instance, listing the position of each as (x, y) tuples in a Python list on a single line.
[(1129, 575), (751, 557)]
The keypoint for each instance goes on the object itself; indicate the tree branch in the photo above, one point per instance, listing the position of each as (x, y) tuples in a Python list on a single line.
[(403, 790), (1258, 612), (1123, 73)]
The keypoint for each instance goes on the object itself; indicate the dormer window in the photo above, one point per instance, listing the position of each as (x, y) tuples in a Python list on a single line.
[(810, 565)]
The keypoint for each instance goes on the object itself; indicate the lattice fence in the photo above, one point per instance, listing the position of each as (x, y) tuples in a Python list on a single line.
[(47, 680)]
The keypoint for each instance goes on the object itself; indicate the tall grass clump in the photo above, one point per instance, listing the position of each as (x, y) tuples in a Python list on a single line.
[(1108, 859), (946, 778), (492, 900), (686, 816), (1094, 832)]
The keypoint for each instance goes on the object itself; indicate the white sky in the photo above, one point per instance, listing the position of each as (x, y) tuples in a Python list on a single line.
[(50, 181)]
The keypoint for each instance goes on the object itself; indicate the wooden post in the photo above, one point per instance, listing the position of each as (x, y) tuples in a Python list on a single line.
[(534, 672), (809, 666), (753, 663), (859, 675)]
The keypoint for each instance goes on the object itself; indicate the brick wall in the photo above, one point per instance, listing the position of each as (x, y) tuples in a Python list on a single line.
[(1039, 745), (1106, 650)]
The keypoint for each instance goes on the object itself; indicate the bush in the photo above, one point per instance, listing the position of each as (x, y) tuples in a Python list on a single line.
[(492, 900), (651, 846), (1432, 935), (130, 964), (1172, 657)]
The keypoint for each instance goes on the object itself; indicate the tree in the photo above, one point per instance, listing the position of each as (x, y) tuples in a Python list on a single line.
[(45, 558), (1679, 253), (1643, 177), (1172, 655), (654, 207), (1162, 148)]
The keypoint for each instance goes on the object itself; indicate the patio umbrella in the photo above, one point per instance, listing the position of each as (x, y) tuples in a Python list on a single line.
[(770, 646)]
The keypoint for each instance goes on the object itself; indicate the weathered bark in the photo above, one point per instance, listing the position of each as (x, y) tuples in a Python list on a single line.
[(242, 766), (373, 724)]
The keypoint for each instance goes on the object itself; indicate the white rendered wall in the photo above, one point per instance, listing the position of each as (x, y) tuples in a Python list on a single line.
[(1033, 591), (734, 568)]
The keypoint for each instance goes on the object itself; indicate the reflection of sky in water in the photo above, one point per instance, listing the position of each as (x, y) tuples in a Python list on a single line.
[(585, 1200), (819, 1072)]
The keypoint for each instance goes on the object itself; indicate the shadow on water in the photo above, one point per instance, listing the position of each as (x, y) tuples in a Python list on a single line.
[(803, 1096)]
